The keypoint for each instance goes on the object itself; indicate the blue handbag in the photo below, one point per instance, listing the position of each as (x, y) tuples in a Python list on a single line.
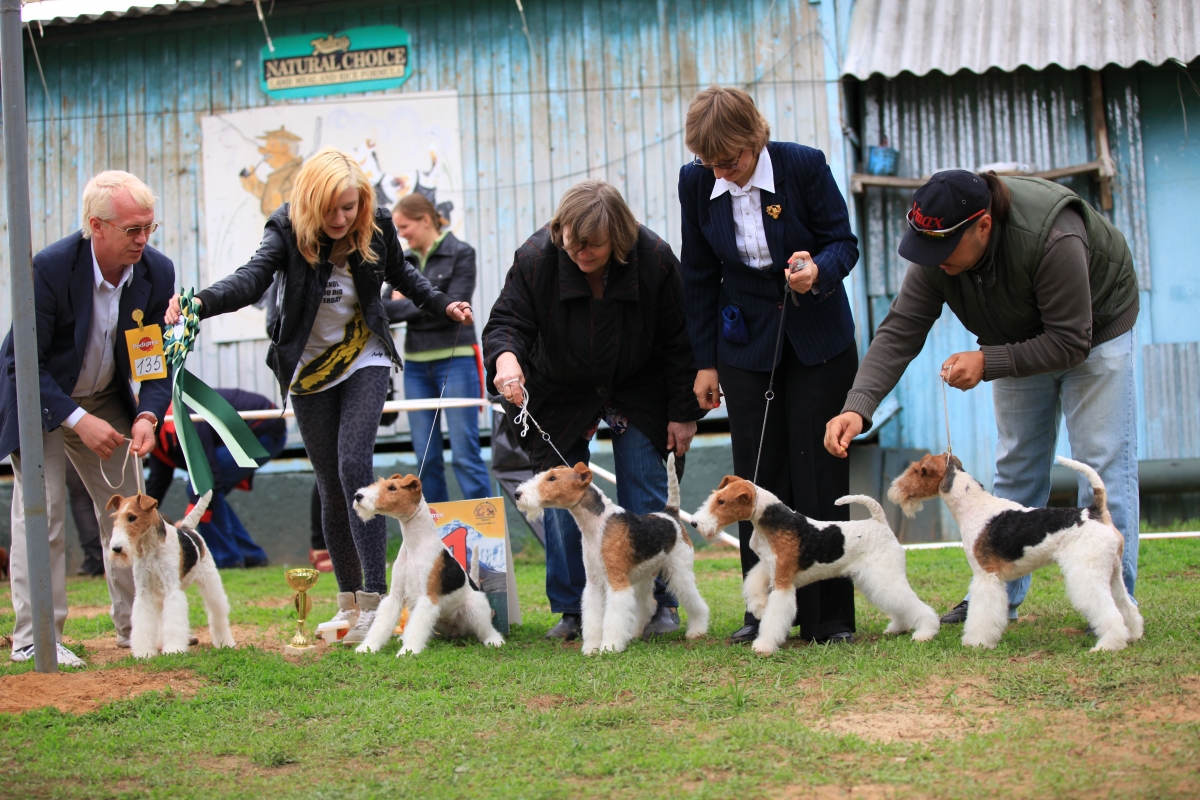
[(734, 327)]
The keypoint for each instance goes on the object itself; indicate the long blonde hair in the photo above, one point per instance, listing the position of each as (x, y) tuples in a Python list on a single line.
[(314, 193)]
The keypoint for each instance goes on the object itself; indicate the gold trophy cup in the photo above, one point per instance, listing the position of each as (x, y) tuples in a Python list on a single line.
[(301, 579)]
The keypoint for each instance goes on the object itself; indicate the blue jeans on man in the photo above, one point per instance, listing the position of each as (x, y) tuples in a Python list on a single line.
[(1099, 400), (227, 538), (641, 489), (423, 380)]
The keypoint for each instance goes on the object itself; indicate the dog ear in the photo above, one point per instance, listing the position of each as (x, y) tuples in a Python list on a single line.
[(581, 468), (114, 502), (411, 482), (146, 502), (743, 495), (396, 477), (728, 479), (954, 462)]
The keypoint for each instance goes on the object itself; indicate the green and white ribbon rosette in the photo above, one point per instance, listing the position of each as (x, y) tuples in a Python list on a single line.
[(188, 391)]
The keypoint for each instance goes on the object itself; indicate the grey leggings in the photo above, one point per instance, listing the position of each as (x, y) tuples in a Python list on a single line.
[(339, 427)]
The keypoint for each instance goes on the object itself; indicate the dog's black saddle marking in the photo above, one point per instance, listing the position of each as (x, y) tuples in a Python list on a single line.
[(649, 535), (1010, 532), (454, 577), (817, 545), (192, 546)]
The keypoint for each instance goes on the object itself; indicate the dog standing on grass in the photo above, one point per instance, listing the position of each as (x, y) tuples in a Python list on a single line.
[(166, 560), (795, 551), (622, 552), (426, 579), (1004, 540)]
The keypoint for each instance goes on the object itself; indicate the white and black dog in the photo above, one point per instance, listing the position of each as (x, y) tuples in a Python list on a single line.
[(1004, 540), (166, 560), (426, 579), (795, 551), (622, 553)]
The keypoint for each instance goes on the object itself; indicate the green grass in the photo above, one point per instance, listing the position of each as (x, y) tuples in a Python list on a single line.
[(1172, 527), (1038, 717)]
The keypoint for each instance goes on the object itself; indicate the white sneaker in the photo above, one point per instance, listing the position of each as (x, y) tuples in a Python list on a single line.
[(68, 659), (65, 657), (368, 605), (347, 609)]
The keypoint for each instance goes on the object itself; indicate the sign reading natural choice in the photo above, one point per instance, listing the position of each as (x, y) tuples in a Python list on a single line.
[(355, 60)]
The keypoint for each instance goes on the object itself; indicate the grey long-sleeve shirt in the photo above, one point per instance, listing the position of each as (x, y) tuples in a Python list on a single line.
[(1063, 293)]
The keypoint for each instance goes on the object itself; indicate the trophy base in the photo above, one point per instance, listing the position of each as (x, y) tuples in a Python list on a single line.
[(291, 648)]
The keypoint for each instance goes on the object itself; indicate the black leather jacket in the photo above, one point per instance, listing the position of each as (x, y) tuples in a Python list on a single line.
[(450, 269), (302, 286)]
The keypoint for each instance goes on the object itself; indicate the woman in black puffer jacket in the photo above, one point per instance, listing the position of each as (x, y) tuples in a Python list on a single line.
[(331, 349)]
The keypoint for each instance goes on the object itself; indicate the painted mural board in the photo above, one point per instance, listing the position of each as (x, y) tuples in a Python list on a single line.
[(405, 143), (476, 534)]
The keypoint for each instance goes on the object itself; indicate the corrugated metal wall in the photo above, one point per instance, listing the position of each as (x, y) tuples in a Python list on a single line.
[(599, 89), (964, 121)]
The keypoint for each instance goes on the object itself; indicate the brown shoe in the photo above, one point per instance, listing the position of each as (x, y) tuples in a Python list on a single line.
[(567, 629)]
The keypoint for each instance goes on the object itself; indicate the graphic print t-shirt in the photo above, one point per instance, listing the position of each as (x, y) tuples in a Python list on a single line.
[(340, 342)]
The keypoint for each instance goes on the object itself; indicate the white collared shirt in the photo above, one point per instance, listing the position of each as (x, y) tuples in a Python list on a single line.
[(98, 367), (748, 230)]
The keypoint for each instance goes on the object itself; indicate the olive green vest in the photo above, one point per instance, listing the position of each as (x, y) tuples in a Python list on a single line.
[(996, 302)]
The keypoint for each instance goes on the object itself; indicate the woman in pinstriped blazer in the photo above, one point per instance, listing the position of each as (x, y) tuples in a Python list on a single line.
[(763, 225)]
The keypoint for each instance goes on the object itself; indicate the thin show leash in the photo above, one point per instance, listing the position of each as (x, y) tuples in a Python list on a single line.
[(946, 413), (124, 467), (769, 395), (524, 419), (436, 422)]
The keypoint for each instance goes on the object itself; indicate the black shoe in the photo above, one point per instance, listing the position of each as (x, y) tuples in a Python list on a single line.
[(567, 629), (91, 566), (665, 620), (956, 615), (251, 562), (746, 633), (841, 637)]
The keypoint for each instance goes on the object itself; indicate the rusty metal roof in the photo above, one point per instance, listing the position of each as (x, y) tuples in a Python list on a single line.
[(67, 12), (919, 36)]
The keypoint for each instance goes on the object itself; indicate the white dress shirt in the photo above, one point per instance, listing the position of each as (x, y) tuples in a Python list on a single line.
[(99, 365), (748, 229)]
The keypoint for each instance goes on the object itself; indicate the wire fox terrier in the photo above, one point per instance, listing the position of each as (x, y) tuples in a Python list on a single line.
[(622, 553), (426, 578), (795, 551), (1004, 540), (166, 560)]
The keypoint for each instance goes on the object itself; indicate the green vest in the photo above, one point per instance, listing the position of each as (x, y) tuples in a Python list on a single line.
[(996, 302)]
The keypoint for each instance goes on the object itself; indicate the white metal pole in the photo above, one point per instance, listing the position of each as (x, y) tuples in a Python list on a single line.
[(24, 332)]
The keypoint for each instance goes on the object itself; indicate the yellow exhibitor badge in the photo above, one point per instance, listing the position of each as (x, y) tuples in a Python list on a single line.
[(145, 343)]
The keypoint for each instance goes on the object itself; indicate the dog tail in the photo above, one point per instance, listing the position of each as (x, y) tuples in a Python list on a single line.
[(672, 487), (1099, 507), (870, 502), (193, 517)]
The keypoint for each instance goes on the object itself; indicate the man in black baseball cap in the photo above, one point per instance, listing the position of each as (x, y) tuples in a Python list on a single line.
[(1047, 286), (943, 211)]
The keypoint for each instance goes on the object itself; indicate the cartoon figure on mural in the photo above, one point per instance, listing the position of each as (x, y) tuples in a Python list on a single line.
[(281, 154), (390, 187)]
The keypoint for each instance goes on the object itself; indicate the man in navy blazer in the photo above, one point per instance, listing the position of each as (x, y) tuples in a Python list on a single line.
[(765, 229), (88, 289)]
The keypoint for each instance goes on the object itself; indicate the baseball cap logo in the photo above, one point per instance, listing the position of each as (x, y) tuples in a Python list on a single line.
[(920, 220)]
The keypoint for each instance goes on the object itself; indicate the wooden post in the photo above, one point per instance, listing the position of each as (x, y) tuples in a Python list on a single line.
[(1100, 126)]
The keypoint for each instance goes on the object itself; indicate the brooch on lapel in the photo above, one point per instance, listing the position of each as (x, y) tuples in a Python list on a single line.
[(774, 211)]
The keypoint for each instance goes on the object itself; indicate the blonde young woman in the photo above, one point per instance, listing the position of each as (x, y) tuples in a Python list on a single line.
[(331, 349)]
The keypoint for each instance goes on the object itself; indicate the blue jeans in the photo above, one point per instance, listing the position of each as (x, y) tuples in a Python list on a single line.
[(224, 533), (641, 489), (423, 381), (1099, 399)]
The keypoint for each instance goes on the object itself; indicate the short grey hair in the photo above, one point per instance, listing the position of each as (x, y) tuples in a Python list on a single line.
[(100, 190), (594, 210)]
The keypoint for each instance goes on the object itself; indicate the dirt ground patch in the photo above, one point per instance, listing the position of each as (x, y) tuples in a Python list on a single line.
[(87, 690), (87, 612), (941, 709), (1182, 708), (545, 702), (869, 791), (103, 649)]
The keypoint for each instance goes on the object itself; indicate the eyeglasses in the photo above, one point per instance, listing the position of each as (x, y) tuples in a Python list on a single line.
[(702, 165), (942, 234), (133, 232)]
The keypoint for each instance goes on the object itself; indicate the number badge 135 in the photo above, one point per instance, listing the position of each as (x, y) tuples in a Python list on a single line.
[(145, 343)]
